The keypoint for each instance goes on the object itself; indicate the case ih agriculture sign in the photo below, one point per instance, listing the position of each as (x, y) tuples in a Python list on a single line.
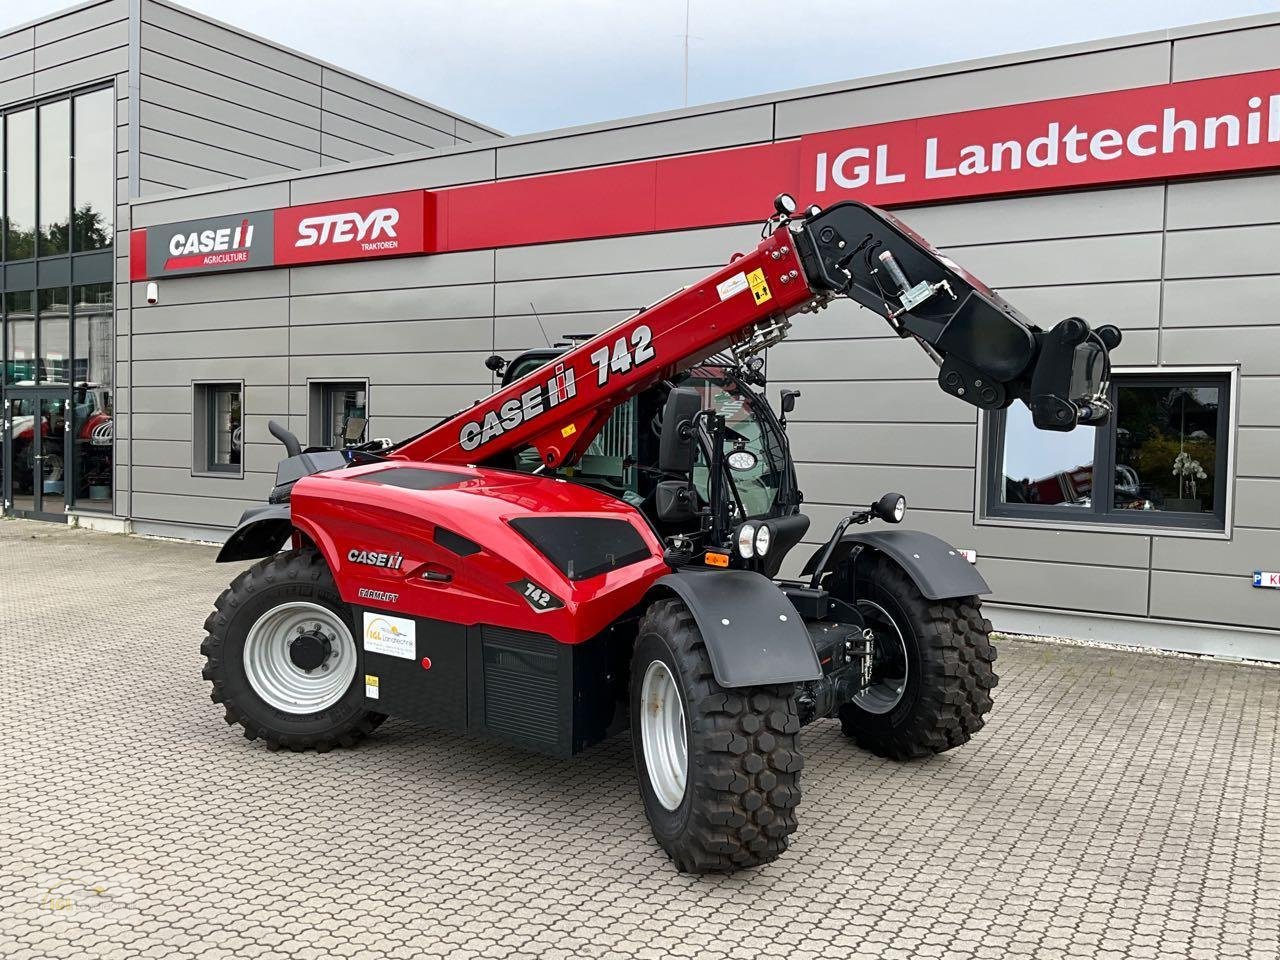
[(381, 226), (1192, 128)]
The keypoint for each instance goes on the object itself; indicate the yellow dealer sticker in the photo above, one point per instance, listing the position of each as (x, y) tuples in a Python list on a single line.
[(759, 286), (569, 431), (371, 686)]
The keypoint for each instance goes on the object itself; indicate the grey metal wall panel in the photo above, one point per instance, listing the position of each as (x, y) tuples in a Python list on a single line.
[(354, 88), (450, 169), (79, 21), (1084, 260), (180, 175), (1222, 301), (80, 45), (615, 291), (1236, 51), (686, 249), (931, 488), (175, 373), (706, 131), (1017, 83), (17, 89), (17, 41), (193, 77), (416, 131), (366, 135), (252, 486), (1259, 402), (187, 24), (471, 300), (229, 164), (889, 358), (1258, 453), (1104, 589), (210, 56), (196, 511), (230, 319), (872, 401), (470, 133), (269, 150), (355, 340), (934, 444), (212, 345), (1186, 596), (1249, 549), (218, 203), (515, 333), (1256, 349), (336, 150), (1258, 502), (1224, 202), (79, 73), (1225, 252), (394, 274), (403, 369), (1046, 217), (224, 113), (193, 290), (1130, 306), (17, 65)]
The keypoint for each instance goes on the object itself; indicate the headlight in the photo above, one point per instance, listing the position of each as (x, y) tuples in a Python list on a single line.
[(746, 541), (899, 509), (891, 508), (762, 540)]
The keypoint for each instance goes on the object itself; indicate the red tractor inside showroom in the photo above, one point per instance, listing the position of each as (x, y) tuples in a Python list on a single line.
[(597, 545)]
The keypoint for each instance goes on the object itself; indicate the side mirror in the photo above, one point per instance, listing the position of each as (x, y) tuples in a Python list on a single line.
[(675, 501), (789, 400), (675, 448)]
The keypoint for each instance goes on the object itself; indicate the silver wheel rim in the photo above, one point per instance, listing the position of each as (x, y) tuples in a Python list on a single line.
[(282, 683), (888, 690), (663, 736)]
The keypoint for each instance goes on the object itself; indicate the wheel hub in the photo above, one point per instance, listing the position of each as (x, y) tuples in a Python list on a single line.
[(309, 650)]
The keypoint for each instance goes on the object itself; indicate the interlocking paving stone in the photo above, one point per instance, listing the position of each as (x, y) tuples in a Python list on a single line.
[(1117, 805)]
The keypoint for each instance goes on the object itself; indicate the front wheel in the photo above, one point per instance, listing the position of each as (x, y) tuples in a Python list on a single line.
[(282, 656), (718, 768), (928, 684)]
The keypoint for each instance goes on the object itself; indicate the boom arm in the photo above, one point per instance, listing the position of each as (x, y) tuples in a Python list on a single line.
[(989, 353)]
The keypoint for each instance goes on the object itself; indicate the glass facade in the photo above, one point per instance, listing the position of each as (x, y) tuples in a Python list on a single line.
[(56, 322)]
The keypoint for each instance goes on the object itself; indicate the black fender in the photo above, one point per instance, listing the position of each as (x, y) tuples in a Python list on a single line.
[(262, 532), (938, 569), (754, 636)]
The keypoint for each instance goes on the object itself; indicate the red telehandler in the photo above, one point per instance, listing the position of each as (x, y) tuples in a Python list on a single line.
[(597, 545)]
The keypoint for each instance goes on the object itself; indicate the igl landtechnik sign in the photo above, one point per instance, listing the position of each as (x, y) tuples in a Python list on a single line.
[(1194, 128)]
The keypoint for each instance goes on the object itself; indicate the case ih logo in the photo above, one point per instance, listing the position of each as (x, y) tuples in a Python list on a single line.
[(204, 246)]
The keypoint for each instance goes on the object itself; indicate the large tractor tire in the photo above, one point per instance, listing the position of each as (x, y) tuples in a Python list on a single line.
[(283, 659), (718, 769), (932, 672)]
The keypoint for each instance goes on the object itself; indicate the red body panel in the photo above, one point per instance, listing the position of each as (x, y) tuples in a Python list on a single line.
[(341, 514)]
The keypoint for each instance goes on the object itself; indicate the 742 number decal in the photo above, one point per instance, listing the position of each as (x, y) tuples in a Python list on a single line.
[(624, 355)]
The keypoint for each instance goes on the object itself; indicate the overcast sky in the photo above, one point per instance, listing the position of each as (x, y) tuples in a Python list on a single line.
[(527, 65)]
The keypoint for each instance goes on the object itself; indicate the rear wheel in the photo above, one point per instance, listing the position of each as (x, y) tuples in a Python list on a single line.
[(931, 675), (282, 656), (718, 769)]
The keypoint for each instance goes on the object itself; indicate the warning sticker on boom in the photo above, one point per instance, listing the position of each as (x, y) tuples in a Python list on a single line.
[(735, 284), (759, 286)]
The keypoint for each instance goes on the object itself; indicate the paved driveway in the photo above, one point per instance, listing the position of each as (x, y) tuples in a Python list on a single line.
[(1117, 805)]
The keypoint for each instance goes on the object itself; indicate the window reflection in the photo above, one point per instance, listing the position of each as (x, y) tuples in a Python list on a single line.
[(55, 177), (1043, 467), (20, 183), (20, 355), (92, 396), (55, 336), (94, 170), (1166, 448)]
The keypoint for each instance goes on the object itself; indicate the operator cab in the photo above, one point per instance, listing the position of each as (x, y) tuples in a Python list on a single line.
[(757, 472)]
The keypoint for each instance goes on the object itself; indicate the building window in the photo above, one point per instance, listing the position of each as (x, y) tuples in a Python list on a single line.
[(217, 434), (92, 396), (95, 170), (1164, 450), (20, 185), (338, 412)]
